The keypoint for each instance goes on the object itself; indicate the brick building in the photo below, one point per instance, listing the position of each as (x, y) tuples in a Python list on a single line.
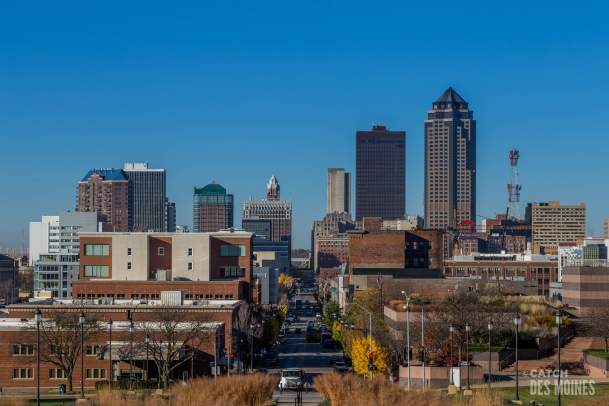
[(585, 284), (212, 208), (106, 191)]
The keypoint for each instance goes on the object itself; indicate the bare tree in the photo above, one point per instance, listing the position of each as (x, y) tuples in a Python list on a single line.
[(247, 315), (173, 340), (61, 338), (599, 325)]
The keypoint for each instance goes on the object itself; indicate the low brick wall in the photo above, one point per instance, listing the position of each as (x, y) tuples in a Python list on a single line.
[(499, 359), (437, 377), (596, 367)]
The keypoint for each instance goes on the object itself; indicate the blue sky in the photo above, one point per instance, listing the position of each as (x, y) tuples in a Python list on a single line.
[(236, 91)]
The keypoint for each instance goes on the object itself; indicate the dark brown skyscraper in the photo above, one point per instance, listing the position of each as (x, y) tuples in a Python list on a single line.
[(380, 176), (450, 163), (106, 191)]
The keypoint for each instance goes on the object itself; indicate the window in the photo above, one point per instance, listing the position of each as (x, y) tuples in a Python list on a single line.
[(23, 373), (100, 271), (232, 271), (190, 252), (96, 373), (57, 373), (93, 349), (128, 265), (232, 250), (23, 349), (161, 251), (190, 266), (97, 250), (129, 251)]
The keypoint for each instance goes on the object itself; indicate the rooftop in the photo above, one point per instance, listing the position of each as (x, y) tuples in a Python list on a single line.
[(106, 174), (450, 96), (211, 189)]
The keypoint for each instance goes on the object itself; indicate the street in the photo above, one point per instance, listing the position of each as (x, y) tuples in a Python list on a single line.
[(295, 352)]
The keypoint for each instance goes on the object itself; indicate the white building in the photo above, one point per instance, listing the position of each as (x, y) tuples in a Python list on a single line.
[(338, 191), (54, 250)]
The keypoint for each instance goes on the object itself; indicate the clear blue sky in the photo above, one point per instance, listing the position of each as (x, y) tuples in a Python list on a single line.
[(236, 91)]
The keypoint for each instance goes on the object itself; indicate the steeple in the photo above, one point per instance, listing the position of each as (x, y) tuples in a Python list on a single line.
[(272, 189)]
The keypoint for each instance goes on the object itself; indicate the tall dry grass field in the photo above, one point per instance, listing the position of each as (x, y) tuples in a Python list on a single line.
[(237, 390)]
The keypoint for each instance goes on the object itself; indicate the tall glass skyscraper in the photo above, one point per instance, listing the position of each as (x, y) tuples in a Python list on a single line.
[(147, 195), (380, 174)]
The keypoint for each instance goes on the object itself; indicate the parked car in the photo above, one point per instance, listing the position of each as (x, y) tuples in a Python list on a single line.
[(341, 367)]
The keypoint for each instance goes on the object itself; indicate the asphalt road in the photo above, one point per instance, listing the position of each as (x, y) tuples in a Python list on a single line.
[(295, 352)]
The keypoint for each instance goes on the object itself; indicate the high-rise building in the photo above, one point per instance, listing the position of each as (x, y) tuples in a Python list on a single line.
[(380, 174), (147, 194), (279, 212), (553, 224), (212, 209), (606, 228), (55, 248), (106, 191), (339, 191), (260, 227), (170, 216), (450, 163)]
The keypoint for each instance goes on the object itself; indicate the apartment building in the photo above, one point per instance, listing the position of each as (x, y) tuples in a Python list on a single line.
[(553, 224)]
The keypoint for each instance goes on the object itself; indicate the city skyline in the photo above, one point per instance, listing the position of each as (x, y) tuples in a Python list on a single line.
[(249, 93)]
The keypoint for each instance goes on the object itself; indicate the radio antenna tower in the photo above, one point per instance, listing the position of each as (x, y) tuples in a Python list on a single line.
[(514, 187)]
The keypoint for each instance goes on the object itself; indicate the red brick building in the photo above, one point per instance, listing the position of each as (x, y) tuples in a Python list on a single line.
[(106, 191)]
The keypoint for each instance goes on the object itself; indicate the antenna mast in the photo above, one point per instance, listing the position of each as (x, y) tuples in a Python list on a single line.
[(514, 187)]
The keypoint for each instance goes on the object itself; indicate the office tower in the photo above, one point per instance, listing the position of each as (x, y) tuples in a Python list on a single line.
[(147, 195), (260, 227), (606, 228), (553, 224), (170, 216), (450, 163), (380, 175), (106, 191), (279, 212), (54, 250), (212, 209), (339, 191)]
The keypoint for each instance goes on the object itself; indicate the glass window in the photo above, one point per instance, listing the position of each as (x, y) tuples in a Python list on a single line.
[(190, 266), (190, 252), (232, 250), (97, 250), (128, 265), (129, 251), (161, 251), (100, 271)]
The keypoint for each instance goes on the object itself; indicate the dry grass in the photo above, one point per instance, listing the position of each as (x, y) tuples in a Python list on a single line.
[(352, 390), (238, 390), (13, 402)]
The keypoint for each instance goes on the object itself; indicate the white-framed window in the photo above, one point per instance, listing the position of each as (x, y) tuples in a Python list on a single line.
[(93, 349), (23, 349), (129, 251), (23, 373), (96, 373), (190, 252), (128, 265), (101, 271), (57, 373), (161, 251), (190, 266), (96, 250)]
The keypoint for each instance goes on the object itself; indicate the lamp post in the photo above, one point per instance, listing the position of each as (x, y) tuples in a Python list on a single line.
[(37, 318), (407, 308), (451, 330), (517, 322), (81, 321), (490, 328), (423, 341), (130, 352), (110, 369), (252, 327), (558, 323), (467, 329), (147, 341)]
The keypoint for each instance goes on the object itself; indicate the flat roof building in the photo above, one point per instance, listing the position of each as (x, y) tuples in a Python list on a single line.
[(553, 224)]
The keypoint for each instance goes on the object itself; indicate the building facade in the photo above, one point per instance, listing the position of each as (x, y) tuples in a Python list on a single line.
[(8, 279), (170, 216), (553, 224), (585, 285), (338, 191), (380, 173), (606, 228), (54, 275), (147, 195), (278, 211), (105, 191), (262, 228), (450, 162), (330, 243), (212, 209)]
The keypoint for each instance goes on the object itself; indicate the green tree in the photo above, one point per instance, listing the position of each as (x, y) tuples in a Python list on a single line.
[(331, 313)]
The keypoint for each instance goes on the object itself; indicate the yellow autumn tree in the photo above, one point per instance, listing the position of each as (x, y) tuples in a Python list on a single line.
[(285, 281), (360, 354)]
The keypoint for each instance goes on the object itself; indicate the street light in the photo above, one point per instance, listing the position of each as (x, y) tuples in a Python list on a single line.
[(558, 324), (37, 319), (147, 341), (467, 329), (423, 341), (81, 321), (130, 352), (252, 327), (517, 322), (451, 330), (490, 328), (110, 369), (407, 308)]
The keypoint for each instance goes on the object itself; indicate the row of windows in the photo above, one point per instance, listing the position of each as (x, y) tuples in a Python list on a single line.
[(97, 250), (23, 349), (99, 271), (58, 373), (232, 250), (232, 271)]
